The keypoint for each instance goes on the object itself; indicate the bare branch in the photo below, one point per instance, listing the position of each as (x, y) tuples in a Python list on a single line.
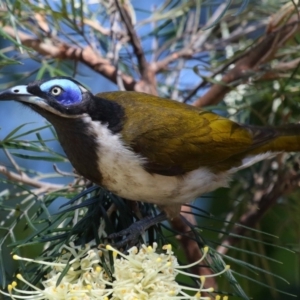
[(263, 201), (147, 73), (12, 161), (60, 50), (162, 64), (96, 26), (263, 52), (189, 245), (197, 42), (29, 181), (280, 70), (134, 39)]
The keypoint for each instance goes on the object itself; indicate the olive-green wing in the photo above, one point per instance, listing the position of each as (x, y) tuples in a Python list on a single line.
[(176, 138)]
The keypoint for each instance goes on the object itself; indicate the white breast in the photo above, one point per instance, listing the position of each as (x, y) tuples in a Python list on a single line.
[(123, 174)]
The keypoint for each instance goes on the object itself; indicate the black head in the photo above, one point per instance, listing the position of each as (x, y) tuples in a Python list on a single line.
[(59, 95), (64, 97)]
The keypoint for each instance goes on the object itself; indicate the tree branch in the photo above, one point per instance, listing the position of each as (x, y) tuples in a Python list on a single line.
[(189, 245), (57, 49), (135, 41), (197, 42), (263, 201), (23, 178), (147, 73), (263, 52), (279, 70)]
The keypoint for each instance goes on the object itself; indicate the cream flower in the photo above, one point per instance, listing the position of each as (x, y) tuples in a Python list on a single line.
[(142, 274)]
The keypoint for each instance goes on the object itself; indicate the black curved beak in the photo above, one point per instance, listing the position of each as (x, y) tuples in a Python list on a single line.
[(18, 93)]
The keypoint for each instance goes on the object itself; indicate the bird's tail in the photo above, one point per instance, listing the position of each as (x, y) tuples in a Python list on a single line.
[(284, 138), (268, 141)]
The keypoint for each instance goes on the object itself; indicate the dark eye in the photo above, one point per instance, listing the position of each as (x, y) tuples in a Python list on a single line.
[(56, 91)]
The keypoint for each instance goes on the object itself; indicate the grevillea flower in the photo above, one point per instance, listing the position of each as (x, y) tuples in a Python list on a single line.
[(142, 274)]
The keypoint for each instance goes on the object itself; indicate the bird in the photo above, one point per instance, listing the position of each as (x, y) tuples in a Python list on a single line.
[(146, 148)]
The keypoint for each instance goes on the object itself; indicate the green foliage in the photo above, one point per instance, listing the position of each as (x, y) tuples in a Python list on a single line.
[(33, 222)]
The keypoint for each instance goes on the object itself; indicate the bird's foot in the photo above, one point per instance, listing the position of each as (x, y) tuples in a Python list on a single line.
[(131, 234)]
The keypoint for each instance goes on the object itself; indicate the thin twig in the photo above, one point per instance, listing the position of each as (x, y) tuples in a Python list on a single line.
[(189, 245), (62, 173), (263, 52), (13, 162), (148, 79), (134, 39), (264, 200), (61, 50), (197, 42), (29, 181)]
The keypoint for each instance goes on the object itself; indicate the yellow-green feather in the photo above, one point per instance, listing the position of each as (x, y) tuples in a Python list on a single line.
[(176, 138), (175, 135), (287, 139)]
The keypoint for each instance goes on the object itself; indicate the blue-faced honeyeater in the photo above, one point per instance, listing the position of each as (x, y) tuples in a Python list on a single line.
[(146, 148)]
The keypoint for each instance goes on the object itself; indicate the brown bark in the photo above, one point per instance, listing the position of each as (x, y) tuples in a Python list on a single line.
[(251, 62)]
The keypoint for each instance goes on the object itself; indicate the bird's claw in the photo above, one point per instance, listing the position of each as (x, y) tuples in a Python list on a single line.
[(136, 229)]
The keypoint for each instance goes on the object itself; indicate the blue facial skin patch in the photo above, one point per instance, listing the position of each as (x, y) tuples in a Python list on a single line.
[(71, 93)]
